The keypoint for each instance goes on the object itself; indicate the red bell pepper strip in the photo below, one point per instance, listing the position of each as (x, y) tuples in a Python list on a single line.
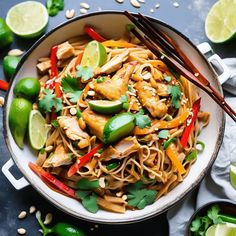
[(4, 85), (51, 179), (93, 34), (53, 59), (83, 160), (188, 128)]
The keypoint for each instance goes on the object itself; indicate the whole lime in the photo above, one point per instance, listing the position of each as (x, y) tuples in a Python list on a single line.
[(28, 88), (6, 36), (9, 64), (18, 119)]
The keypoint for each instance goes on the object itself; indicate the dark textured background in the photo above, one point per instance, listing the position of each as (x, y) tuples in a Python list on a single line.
[(189, 19)]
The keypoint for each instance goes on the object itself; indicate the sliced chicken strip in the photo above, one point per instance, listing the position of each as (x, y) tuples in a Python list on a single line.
[(113, 88), (149, 99), (95, 122)]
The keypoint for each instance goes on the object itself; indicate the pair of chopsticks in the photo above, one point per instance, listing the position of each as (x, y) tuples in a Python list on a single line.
[(165, 48)]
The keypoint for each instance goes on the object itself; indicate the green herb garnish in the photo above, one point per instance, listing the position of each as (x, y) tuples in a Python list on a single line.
[(50, 101), (84, 72), (139, 196), (86, 184), (54, 6), (55, 123), (112, 166), (89, 200), (191, 156), (101, 79), (167, 78), (163, 134), (142, 120), (175, 94)]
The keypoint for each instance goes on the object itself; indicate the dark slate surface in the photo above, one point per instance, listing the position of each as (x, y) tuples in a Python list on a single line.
[(189, 19)]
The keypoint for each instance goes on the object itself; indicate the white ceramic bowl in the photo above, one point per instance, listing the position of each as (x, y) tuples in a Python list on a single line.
[(112, 24)]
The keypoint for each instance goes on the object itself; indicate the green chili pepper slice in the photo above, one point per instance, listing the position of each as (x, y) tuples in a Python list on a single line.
[(168, 142)]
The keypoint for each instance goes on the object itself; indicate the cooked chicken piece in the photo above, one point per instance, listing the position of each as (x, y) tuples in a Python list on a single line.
[(58, 158), (113, 88), (162, 89), (44, 66), (114, 64), (122, 149), (95, 122), (65, 50), (72, 129), (148, 97)]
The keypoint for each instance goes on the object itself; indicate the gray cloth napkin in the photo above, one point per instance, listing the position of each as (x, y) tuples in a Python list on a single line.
[(216, 184)]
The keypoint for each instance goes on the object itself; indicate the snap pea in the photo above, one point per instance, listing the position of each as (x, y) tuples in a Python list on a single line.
[(60, 229)]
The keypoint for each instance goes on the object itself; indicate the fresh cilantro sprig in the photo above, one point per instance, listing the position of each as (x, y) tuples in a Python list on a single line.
[(139, 196), (71, 85), (49, 101), (125, 101), (200, 224), (86, 194), (175, 94), (142, 120), (84, 72), (54, 6)]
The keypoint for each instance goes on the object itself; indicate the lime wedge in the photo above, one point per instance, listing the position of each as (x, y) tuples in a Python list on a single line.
[(220, 24), (105, 107), (95, 55), (37, 130), (232, 175), (27, 19), (211, 231), (224, 230)]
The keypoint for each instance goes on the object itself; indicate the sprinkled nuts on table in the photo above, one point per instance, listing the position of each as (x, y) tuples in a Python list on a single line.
[(83, 11), (2, 101), (22, 215), (135, 3), (151, 10), (157, 5), (32, 209), (15, 52), (70, 13), (48, 219), (120, 1), (21, 231), (84, 5), (142, 1), (175, 4)]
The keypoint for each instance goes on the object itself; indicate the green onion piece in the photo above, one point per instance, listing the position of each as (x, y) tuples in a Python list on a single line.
[(126, 105), (42, 150), (55, 123), (130, 88), (78, 113), (100, 150), (112, 166), (168, 117), (191, 156), (101, 79), (130, 27), (202, 146), (168, 142)]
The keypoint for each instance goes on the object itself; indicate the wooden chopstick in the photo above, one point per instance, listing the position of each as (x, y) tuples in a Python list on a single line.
[(159, 48), (179, 53)]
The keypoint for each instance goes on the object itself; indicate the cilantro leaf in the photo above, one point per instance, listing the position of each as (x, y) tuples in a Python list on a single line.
[(142, 120), (167, 78), (124, 98), (175, 94), (213, 214), (140, 197), (196, 224), (163, 134), (70, 84), (55, 123), (89, 200), (54, 6), (50, 101), (84, 72), (87, 184)]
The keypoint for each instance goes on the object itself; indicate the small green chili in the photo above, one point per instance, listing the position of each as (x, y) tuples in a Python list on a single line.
[(60, 229)]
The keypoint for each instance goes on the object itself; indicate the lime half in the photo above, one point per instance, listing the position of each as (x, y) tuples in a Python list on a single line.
[(211, 231), (38, 130), (95, 55), (27, 19), (232, 175), (220, 24), (225, 230)]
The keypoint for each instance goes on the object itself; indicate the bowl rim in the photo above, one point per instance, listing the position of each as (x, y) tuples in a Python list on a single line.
[(55, 202), (205, 206)]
